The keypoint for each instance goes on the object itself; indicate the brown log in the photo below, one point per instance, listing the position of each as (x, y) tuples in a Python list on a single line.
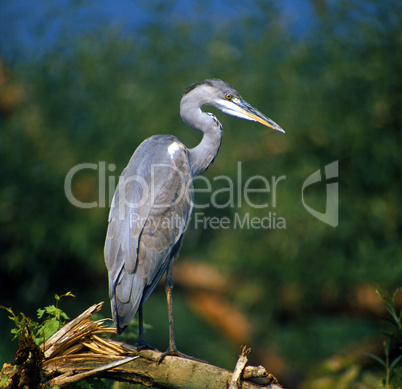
[(77, 352)]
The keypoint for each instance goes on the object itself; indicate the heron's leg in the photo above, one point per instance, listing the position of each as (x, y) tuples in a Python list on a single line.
[(141, 344), (168, 289), (172, 349), (141, 336)]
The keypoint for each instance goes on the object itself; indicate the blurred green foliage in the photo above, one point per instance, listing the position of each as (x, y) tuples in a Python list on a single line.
[(337, 93), (391, 363)]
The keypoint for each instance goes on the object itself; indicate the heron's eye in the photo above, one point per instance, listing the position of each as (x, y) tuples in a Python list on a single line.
[(228, 96)]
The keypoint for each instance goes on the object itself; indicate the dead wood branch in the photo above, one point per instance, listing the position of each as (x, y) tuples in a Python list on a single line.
[(77, 352), (235, 381)]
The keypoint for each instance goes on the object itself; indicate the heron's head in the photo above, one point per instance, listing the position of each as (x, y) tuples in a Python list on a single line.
[(221, 95)]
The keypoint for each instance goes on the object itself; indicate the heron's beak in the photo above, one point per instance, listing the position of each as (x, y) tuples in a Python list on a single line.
[(241, 109), (257, 116)]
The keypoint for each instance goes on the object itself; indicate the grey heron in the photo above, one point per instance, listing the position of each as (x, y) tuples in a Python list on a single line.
[(152, 204)]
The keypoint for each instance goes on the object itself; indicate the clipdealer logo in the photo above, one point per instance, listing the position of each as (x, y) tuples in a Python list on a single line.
[(331, 214), (236, 192)]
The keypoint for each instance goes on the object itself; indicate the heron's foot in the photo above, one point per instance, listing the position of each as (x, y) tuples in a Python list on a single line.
[(143, 345), (176, 353)]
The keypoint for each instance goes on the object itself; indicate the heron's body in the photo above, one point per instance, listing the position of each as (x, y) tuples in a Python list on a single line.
[(153, 202), (145, 229)]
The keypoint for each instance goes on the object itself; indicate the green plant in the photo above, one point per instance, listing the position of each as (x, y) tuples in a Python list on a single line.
[(392, 362), (29, 356), (52, 320), (31, 334)]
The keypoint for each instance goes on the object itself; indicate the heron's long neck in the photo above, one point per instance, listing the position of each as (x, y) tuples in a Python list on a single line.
[(204, 154)]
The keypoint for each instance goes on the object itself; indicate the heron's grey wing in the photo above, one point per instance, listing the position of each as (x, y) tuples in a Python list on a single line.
[(118, 251), (150, 210), (168, 217)]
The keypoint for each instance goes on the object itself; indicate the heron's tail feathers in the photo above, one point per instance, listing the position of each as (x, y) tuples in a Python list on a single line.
[(126, 297)]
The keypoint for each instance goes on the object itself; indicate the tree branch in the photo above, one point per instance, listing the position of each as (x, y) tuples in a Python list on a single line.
[(77, 352)]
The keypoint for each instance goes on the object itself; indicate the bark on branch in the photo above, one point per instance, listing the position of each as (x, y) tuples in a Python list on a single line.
[(77, 352)]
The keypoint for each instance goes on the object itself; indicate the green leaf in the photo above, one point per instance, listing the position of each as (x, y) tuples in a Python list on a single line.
[(3, 381), (378, 359), (68, 294), (394, 316), (387, 319), (51, 327), (395, 362), (397, 290), (387, 346), (40, 313), (39, 340), (51, 310)]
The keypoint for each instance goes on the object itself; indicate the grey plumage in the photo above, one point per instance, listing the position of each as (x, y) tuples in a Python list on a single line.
[(143, 238), (153, 202)]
